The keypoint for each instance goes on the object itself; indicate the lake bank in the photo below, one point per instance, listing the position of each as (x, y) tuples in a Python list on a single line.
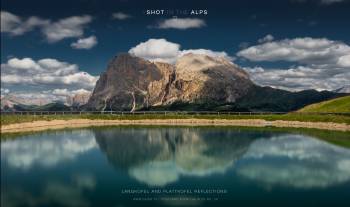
[(78, 123)]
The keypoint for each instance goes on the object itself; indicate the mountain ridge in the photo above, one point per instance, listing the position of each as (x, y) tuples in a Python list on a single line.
[(193, 79), (194, 82)]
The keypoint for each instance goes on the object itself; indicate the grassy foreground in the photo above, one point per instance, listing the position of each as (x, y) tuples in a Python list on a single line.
[(336, 105), (12, 119)]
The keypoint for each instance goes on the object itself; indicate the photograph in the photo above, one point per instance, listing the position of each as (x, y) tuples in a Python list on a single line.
[(166, 103)]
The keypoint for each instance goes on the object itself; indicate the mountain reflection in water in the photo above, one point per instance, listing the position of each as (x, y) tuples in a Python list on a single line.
[(91, 167), (159, 156)]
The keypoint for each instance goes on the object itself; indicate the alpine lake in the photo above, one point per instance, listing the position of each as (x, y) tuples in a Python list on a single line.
[(175, 166)]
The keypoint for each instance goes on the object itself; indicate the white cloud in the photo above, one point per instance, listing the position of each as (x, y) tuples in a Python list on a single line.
[(300, 77), (14, 25), (44, 81), (53, 31), (9, 21), (323, 64), (302, 50), (161, 50), (207, 52), (344, 61), (181, 23), (120, 16), (66, 92), (267, 38), (157, 50), (85, 43), (66, 28), (45, 72)]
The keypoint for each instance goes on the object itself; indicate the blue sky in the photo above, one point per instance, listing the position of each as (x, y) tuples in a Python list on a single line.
[(106, 28)]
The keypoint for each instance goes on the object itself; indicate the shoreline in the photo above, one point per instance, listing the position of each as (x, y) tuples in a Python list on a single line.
[(78, 123)]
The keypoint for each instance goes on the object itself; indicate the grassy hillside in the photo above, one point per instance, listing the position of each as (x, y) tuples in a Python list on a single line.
[(335, 105)]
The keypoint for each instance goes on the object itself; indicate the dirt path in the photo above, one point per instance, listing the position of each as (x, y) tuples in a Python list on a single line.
[(76, 123)]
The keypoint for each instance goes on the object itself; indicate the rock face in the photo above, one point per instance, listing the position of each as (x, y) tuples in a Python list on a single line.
[(124, 86), (203, 79), (78, 99), (132, 83)]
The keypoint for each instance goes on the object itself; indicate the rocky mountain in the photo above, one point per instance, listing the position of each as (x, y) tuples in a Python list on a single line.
[(194, 82), (132, 83), (78, 99), (9, 101)]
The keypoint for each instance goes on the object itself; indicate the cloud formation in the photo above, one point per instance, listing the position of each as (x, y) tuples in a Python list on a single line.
[(323, 64), (14, 25), (302, 50), (53, 31), (66, 28), (45, 71), (181, 23), (300, 77), (120, 16), (45, 79), (85, 43), (267, 38), (161, 50)]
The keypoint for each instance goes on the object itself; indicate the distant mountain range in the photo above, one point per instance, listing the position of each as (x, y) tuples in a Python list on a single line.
[(194, 83), (11, 102)]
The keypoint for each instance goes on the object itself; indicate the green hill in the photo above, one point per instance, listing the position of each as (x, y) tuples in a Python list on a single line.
[(336, 105)]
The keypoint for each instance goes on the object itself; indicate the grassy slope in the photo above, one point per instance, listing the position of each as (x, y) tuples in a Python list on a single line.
[(11, 119), (337, 105)]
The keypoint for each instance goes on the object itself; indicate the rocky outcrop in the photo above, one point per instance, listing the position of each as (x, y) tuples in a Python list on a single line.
[(203, 79), (132, 83), (79, 99), (124, 86)]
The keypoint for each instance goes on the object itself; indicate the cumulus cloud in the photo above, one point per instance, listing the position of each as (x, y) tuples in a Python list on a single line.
[(300, 77), (9, 21), (66, 28), (267, 38), (302, 50), (85, 43), (323, 64), (156, 50), (120, 16), (45, 80), (53, 31), (181, 23), (344, 61), (161, 50), (66, 92), (14, 25), (46, 72)]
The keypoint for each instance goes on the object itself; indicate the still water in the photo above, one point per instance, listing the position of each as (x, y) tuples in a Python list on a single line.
[(173, 166)]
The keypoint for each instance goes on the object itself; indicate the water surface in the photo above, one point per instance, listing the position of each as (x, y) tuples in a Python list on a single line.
[(171, 166)]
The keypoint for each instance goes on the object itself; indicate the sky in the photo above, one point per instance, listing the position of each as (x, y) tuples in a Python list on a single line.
[(52, 49)]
